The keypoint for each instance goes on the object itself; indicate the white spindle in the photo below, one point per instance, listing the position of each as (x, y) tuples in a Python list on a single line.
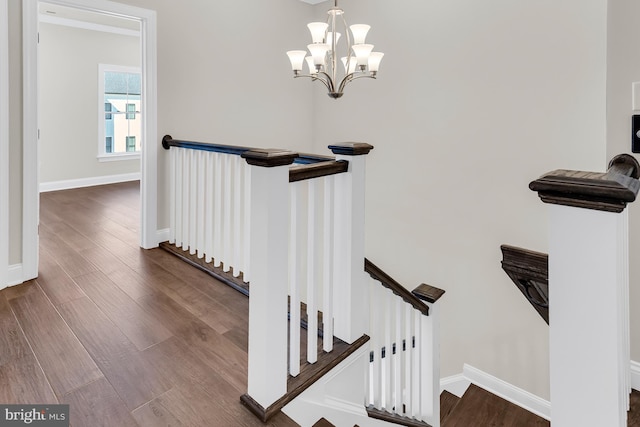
[(388, 344), (200, 203), (312, 311), (246, 236), (217, 234), (408, 359), (327, 273), (417, 355), (377, 332), (226, 222), (193, 200), (173, 178), (209, 207), (294, 293), (185, 199), (237, 216), (397, 357)]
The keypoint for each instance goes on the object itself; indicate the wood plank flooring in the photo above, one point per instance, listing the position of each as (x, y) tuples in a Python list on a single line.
[(127, 337), (137, 338)]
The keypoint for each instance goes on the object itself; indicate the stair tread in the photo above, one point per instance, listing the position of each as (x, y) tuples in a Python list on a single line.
[(479, 408), (448, 403), (394, 418)]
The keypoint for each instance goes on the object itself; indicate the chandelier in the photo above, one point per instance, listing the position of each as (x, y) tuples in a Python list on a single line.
[(359, 60)]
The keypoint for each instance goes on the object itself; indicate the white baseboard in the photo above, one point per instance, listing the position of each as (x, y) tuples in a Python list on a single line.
[(635, 375), (455, 384), (14, 275), (88, 182), (163, 235), (509, 392)]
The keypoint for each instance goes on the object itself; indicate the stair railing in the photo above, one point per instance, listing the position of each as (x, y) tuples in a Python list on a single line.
[(293, 225), (404, 368)]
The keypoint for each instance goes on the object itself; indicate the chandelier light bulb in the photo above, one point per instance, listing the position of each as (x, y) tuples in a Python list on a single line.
[(297, 58), (311, 65), (318, 30), (359, 32), (362, 52), (330, 38), (319, 52), (349, 65), (374, 61)]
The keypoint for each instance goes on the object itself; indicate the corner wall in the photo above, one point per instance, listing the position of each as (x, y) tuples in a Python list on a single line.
[(473, 101), (624, 69)]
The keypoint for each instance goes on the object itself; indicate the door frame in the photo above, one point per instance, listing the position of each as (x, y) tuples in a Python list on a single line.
[(149, 237), (4, 143)]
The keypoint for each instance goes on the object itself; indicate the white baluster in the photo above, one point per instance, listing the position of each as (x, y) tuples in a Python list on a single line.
[(312, 313), (185, 198), (294, 293), (430, 366), (201, 204), (217, 207), (327, 274), (193, 201), (408, 359), (417, 356), (237, 216), (397, 357), (246, 274), (173, 177), (388, 344), (377, 336), (209, 206), (226, 206)]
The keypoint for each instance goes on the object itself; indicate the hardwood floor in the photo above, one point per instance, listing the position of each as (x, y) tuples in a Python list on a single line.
[(127, 337), (130, 337)]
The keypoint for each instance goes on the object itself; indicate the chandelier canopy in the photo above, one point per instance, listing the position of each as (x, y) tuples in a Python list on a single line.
[(358, 58)]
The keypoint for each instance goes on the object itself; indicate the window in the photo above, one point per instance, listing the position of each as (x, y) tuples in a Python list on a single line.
[(131, 143), (131, 111), (120, 121)]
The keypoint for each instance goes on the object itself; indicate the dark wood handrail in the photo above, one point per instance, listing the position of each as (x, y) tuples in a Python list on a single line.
[(388, 282), (317, 170), (168, 142)]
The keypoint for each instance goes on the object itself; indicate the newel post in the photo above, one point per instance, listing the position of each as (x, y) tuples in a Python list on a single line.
[(267, 379), (351, 314), (589, 292)]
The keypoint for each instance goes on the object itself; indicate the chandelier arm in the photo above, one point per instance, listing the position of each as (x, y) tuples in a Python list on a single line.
[(351, 77), (328, 81), (315, 77)]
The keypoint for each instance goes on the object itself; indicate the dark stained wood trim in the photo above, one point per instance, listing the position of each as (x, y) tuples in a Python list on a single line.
[(317, 170), (428, 293), (394, 418), (168, 142), (351, 148), (309, 374), (269, 157), (610, 191), (529, 271), (306, 158), (389, 283), (216, 272)]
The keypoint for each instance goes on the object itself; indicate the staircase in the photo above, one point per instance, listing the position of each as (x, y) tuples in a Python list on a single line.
[(331, 335)]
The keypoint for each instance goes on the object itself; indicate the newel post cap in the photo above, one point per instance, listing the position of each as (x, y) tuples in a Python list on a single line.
[(351, 148), (269, 157)]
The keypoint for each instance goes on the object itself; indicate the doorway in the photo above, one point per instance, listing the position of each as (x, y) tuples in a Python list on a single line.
[(149, 237)]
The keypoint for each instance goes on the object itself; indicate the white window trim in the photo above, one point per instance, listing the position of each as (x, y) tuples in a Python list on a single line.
[(103, 156)]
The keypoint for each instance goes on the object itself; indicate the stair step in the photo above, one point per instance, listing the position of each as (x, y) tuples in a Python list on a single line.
[(393, 418), (309, 374), (479, 408), (322, 422), (448, 403)]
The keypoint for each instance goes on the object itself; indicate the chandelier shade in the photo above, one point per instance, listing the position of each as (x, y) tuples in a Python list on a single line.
[(324, 53)]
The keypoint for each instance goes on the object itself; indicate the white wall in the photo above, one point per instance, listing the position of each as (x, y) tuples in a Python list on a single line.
[(474, 100), (68, 69), (623, 69)]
